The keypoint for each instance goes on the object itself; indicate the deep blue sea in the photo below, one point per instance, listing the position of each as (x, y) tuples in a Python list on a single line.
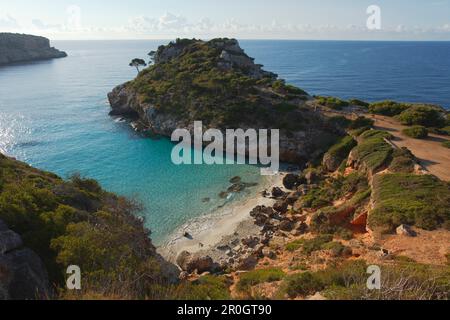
[(54, 114)]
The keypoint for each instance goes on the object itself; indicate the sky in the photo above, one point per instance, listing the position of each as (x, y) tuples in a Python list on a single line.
[(243, 19)]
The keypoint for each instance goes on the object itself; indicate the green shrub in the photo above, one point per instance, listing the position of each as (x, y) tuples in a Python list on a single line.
[(446, 144), (373, 151), (419, 115), (337, 249), (358, 132), (420, 200), (253, 278), (206, 288), (375, 134), (388, 108), (445, 131), (361, 122), (311, 245), (308, 283), (359, 103), (302, 284), (340, 121), (403, 161), (339, 152), (416, 132), (332, 102)]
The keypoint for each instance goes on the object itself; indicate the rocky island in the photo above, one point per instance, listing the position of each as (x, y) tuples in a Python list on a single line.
[(217, 82), (22, 47)]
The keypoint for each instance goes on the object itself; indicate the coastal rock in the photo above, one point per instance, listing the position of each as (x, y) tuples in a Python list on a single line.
[(277, 192), (183, 259), (268, 253), (281, 207), (331, 162), (21, 47), (9, 241), (311, 177), (302, 228), (137, 99), (250, 242), (293, 197), (247, 262), (190, 263), (286, 225), (22, 274), (405, 230), (235, 180), (262, 215), (291, 181)]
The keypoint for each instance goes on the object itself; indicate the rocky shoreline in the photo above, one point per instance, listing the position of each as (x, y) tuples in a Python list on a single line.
[(206, 233), (15, 48), (239, 245)]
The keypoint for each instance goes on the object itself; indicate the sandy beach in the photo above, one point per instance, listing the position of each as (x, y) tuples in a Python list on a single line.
[(230, 221)]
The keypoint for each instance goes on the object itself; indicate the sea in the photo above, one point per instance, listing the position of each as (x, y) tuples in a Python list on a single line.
[(54, 114)]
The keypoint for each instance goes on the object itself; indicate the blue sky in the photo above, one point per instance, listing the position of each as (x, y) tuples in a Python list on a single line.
[(249, 19)]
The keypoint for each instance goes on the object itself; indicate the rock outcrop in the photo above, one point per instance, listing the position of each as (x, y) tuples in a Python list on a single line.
[(21, 48), (217, 83), (22, 273)]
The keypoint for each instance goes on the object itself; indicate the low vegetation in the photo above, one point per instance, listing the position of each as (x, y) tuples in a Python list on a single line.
[(308, 246), (348, 281), (402, 198), (388, 108), (205, 288), (416, 132), (332, 102), (422, 115), (446, 144), (359, 103), (329, 190), (403, 161), (373, 151), (255, 277)]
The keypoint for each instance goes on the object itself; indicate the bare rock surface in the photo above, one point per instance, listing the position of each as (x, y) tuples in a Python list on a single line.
[(22, 274)]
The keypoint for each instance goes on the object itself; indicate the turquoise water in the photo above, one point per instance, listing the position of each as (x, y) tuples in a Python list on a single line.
[(54, 114)]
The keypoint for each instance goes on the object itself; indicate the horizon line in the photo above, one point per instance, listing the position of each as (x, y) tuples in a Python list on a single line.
[(259, 39)]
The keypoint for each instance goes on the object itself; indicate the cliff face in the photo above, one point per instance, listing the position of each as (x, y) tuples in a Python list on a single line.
[(217, 83), (22, 273), (21, 47)]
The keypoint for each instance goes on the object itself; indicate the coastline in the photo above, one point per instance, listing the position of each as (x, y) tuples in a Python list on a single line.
[(222, 225)]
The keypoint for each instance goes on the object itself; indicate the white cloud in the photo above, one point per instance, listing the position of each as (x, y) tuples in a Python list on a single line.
[(40, 25), (8, 22), (172, 25)]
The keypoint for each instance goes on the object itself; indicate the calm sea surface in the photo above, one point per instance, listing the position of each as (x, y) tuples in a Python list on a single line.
[(54, 114)]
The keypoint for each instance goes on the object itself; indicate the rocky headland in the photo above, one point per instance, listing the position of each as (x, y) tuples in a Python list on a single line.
[(218, 83), (16, 48)]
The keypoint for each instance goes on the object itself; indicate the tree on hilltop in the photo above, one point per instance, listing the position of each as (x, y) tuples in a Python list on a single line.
[(137, 63)]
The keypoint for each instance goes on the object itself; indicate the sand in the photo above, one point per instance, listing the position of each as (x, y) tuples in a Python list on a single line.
[(209, 231), (432, 155)]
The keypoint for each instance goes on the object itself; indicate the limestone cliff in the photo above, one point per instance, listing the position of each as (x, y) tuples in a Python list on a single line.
[(21, 47)]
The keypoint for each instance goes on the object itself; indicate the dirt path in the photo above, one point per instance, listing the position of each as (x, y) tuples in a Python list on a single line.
[(430, 152)]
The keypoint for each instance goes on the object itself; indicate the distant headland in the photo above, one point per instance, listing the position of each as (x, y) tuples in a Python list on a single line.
[(22, 48)]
